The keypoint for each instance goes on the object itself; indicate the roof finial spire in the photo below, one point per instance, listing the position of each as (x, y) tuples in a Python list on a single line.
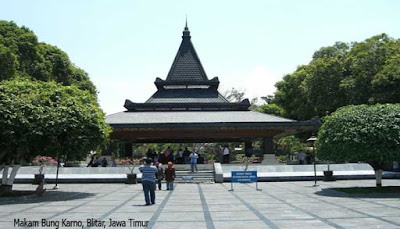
[(186, 27), (186, 32)]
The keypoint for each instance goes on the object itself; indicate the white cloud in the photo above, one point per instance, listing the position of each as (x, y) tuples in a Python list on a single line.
[(260, 82)]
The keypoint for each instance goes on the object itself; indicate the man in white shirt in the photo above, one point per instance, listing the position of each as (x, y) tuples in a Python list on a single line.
[(226, 155)]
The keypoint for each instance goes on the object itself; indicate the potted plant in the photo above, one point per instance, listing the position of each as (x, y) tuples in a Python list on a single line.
[(42, 161), (245, 161), (131, 178), (328, 174)]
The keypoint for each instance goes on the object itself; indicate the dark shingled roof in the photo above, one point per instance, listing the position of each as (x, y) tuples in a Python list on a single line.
[(194, 95), (187, 86), (187, 65)]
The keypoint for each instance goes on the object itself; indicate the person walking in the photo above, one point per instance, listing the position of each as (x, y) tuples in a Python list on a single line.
[(179, 157), (91, 161), (226, 155), (159, 175), (170, 176), (301, 156), (149, 181), (193, 161)]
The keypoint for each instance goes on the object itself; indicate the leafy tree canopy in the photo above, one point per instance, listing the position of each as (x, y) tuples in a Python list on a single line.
[(357, 73), (361, 133), (271, 109), (47, 118), (22, 55)]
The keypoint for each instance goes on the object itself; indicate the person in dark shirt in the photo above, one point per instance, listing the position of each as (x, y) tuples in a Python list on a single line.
[(170, 176), (104, 162), (159, 175)]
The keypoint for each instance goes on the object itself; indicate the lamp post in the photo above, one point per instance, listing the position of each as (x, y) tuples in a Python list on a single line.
[(312, 140), (58, 167)]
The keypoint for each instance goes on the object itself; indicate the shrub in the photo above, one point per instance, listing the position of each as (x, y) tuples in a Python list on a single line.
[(362, 133)]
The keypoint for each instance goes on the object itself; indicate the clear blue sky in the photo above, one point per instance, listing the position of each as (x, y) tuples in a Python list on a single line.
[(125, 45)]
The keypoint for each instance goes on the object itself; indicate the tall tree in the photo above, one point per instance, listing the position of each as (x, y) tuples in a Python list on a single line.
[(386, 84), (22, 55), (291, 96), (358, 73)]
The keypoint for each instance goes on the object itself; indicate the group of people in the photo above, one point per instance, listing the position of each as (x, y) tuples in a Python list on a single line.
[(180, 157), (151, 173), (155, 173), (96, 162)]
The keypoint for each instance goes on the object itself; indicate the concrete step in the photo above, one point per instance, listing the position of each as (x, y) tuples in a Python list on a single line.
[(194, 174), (197, 177), (188, 177), (200, 171), (195, 181)]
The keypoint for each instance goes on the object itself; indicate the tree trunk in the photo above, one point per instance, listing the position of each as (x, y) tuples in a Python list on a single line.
[(8, 181), (13, 174), (4, 187), (378, 176), (5, 175)]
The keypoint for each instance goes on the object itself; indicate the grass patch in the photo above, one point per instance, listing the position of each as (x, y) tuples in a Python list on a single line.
[(369, 190), (16, 193)]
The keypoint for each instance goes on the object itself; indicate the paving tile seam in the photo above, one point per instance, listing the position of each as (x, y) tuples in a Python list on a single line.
[(359, 199), (369, 201), (42, 204), (160, 208), (115, 208), (206, 212), (118, 207), (342, 206), (355, 198), (255, 211), (354, 217), (182, 210), (80, 205), (303, 210)]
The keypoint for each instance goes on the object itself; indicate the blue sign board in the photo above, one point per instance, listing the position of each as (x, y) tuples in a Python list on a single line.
[(244, 176)]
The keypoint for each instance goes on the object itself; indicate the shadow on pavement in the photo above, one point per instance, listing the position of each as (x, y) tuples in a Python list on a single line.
[(48, 196), (333, 193)]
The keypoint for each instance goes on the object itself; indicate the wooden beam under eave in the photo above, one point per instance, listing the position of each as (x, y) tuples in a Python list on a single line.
[(222, 133)]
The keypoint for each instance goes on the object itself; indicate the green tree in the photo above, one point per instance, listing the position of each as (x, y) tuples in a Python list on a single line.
[(363, 62), (63, 71), (8, 63), (386, 84), (343, 74), (290, 144), (48, 119), (22, 55), (271, 109), (362, 133), (290, 95)]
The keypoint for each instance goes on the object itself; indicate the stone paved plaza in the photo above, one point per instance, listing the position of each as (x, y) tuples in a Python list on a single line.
[(278, 205)]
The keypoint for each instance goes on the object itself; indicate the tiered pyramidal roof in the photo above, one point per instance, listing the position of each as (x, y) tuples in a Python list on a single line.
[(186, 66), (187, 86)]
